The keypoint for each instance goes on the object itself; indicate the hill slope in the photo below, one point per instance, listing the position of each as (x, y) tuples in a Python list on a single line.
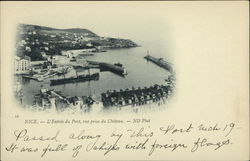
[(27, 28), (36, 41)]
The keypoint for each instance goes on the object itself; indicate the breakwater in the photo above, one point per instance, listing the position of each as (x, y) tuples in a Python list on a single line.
[(160, 62), (117, 69)]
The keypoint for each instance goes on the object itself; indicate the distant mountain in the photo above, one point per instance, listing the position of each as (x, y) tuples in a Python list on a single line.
[(27, 27), (38, 41)]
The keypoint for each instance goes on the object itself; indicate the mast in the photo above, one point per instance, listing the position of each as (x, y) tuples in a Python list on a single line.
[(64, 72), (89, 71), (76, 73)]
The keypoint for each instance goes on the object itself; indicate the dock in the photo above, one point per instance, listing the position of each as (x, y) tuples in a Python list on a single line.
[(160, 62)]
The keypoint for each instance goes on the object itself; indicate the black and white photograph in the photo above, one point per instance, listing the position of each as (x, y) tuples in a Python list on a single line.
[(76, 70)]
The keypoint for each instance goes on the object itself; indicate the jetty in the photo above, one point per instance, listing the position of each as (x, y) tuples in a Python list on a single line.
[(160, 62), (114, 68)]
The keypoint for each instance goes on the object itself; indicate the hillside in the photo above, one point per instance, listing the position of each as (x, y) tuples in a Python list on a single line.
[(36, 41), (27, 28)]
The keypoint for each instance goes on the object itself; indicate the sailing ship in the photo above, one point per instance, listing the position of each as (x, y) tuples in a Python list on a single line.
[(78, 78)]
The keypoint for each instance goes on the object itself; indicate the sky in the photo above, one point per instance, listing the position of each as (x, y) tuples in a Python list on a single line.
[(176, 25), (135, 21)]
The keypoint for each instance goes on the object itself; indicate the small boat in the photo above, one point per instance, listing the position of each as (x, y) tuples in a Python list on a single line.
[(81, 78)]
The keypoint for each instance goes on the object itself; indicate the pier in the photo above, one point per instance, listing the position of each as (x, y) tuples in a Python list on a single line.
[(160, 62), (117, 69)]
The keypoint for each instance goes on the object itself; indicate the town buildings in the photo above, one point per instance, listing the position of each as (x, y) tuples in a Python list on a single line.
[(22, 65)]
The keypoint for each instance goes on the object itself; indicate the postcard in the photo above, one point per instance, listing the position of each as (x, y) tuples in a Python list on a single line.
[(109, 80)]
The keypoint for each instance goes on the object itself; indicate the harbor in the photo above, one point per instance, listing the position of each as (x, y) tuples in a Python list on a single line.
[(117, 79), (48, 72)]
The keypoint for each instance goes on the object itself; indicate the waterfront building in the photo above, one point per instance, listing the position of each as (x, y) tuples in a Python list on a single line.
[(22, 65)]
